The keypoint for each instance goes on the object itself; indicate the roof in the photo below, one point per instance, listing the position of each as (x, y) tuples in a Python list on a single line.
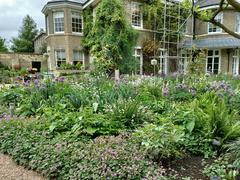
[(73, 2), (212, 43), (207, 3), (82, 2), (39, 35)]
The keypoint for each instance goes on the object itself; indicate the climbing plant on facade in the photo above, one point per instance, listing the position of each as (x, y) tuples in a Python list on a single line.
[(172, 20), (111, 38)]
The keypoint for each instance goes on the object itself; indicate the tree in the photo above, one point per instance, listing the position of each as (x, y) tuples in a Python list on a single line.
[(27, 33), (210, 15), (3, 47), (111, 38)]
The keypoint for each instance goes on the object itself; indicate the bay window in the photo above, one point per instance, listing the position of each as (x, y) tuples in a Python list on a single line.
[(58, 22), (78, 57), (77, 22), (60, 56)]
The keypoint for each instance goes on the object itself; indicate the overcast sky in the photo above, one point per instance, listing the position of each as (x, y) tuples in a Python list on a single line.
[(12, 13)]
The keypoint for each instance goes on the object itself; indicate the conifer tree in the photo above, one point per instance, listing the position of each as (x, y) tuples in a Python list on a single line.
[(27, 33)]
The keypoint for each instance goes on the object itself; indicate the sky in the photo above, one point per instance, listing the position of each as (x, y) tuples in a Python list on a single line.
[(12, 13)]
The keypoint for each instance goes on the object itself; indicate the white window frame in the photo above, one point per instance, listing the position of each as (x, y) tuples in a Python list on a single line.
[(213, 60), (183, 62), (62, 59), (81, 53), (135, 5), (237, 28), (47, 24), (163, 62), (136, 55), (235, 62), (218, 18), (77, 15), (58, 15)]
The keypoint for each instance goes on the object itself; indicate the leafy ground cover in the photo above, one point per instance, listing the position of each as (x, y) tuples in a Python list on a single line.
[(138, 128)]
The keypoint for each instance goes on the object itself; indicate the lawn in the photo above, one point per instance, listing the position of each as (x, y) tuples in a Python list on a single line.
[(181, 127)]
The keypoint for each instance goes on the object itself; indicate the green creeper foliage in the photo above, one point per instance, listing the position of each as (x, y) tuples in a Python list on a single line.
[(175, 20), (111, 38), (27, 33)]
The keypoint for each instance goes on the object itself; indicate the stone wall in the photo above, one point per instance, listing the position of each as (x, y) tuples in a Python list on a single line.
[(22, 60)]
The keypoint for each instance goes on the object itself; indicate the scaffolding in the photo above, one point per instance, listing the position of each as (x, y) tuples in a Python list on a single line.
[(169, 36)]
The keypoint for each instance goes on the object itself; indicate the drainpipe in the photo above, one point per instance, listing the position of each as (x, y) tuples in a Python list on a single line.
[(228, 67), (194, 21), (193, 31)]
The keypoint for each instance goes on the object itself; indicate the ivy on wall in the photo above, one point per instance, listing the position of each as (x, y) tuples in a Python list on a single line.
[(110, 37)]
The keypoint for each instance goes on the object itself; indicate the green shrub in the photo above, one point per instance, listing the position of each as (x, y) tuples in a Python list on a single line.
[(220, 168), (233, 152), (129, 114), (64, 157), (161, 141)]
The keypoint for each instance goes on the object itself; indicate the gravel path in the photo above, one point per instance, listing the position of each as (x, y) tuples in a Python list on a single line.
[(10, 171)]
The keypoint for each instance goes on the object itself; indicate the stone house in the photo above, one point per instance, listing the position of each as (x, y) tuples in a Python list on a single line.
[(64, 29), (40, 43), (221, 50)]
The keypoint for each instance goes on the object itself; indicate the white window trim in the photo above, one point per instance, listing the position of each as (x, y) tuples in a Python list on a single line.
[(56, 60), (141, 15), (135, 55), (237, 18), (78, 33), (220, 60), (237, 58), (186, 58), (83, 56), (163, 56), (54, 26), (221, 30), (47, 23)]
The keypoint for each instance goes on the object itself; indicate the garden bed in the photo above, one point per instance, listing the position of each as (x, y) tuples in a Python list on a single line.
[(138, 128)]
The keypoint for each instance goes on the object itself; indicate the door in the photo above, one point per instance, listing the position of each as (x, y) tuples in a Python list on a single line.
[(36, 65)]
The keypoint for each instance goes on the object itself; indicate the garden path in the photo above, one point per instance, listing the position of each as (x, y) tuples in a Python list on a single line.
[(10, 171)]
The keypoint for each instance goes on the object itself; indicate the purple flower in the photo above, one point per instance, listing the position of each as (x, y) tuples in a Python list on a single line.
[(5, 117), (36, 82), (27, 83), (19, 78), (60, 79)]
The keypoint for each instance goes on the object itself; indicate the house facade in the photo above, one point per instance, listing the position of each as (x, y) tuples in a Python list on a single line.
[(40, 43), (64, 31), (221, 50)]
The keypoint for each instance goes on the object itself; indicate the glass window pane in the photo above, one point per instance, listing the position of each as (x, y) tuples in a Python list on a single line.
[(210, 53)]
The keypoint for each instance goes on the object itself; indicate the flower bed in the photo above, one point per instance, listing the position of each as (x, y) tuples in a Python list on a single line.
[(95, 128)]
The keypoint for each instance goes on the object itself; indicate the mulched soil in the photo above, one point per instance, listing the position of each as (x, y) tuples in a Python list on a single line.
[(187, 167), (10, 171)]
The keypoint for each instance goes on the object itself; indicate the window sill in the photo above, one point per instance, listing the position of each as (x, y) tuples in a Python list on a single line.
[(58, 33), (138, 27), (215, 32), (77, 34)]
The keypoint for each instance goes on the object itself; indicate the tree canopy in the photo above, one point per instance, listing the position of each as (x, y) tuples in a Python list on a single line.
[(3, 46), (27, 33)]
